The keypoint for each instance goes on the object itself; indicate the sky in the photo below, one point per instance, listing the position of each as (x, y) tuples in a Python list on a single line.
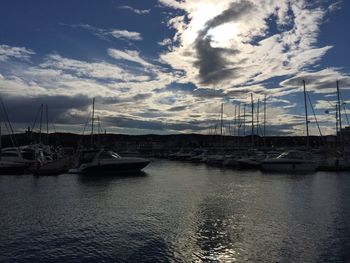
[(166, 66)]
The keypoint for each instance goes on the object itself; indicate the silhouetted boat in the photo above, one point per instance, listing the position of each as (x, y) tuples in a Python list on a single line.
[(100, 161), (292, 161)]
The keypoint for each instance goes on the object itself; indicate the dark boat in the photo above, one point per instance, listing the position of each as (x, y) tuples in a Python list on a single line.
[(101, 161)]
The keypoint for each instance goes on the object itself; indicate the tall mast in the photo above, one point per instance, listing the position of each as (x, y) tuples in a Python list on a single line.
[(252, 101), (239, 119), (99, 130), (336, 119), (244, 119), (0, 142), (92, 122), (339, 107), (47, 123), (340, 120), (41, 121), (239, 125), (221, 126), (265, 121), (257, 117), (306, 118), (235, 122)]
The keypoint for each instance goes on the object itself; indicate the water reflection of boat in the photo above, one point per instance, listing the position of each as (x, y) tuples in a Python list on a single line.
[(292, 161), (101, 161)]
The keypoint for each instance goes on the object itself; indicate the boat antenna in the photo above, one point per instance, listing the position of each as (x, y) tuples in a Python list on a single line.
[(306, 118)]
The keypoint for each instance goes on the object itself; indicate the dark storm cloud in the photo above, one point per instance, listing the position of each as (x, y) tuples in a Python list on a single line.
[(212, 63), (213, 67), (116, 100), (24, 110), (177, 108), (123, 122), (208, 93), (235, 11)]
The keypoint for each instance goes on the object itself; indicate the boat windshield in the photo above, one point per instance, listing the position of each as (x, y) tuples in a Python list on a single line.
[(293, 155), (88, 157), (9, 154), (28, 155), (108, 155), (115, 155)]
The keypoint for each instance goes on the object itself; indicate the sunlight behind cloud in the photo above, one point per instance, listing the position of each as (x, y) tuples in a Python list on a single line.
[(224, 34)]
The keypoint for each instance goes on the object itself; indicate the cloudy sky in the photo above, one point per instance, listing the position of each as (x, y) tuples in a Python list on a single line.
[(165, 66)]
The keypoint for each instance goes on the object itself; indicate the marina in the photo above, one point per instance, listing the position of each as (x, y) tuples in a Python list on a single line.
[(174, 131)]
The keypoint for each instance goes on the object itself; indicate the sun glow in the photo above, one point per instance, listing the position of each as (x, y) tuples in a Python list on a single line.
[(199, 18), (223, 35)]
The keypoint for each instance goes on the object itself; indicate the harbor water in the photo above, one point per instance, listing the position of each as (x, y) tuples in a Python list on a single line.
[(176, 212)]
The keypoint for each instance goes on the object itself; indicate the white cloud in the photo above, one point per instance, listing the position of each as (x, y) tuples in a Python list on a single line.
[(22, 53), (98, 70), (129, 55), (136, 11), (108, 33), (228, 43), (125, 34)]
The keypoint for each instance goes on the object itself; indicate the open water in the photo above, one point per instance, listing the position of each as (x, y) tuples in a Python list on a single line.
[(176, 212)]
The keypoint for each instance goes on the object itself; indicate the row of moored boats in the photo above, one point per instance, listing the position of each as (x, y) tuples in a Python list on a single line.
[(273, 161)]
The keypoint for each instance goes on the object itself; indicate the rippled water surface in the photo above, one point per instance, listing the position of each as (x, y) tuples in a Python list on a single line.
[(176, 212)]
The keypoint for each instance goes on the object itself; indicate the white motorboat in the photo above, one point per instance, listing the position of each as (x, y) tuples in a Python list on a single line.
[(16, 161), (100, 161), (291, 161)]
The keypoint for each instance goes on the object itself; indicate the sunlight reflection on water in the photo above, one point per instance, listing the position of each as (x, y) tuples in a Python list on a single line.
[(176, 212)]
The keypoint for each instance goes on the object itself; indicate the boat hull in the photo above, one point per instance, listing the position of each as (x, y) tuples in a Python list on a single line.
[(288, 167), (14, 169), (114, 168)]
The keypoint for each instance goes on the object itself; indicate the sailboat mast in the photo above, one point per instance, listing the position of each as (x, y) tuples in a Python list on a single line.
[(235, 122), (0, 141), (265, 121), (244, 119), (336, 119), (221, 128), (239, 119), (41, 121), (339, 107), (340, 119), (306, 117), (257, 117), (252, 102), (239, 125), (47, 123), (92, 122)]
